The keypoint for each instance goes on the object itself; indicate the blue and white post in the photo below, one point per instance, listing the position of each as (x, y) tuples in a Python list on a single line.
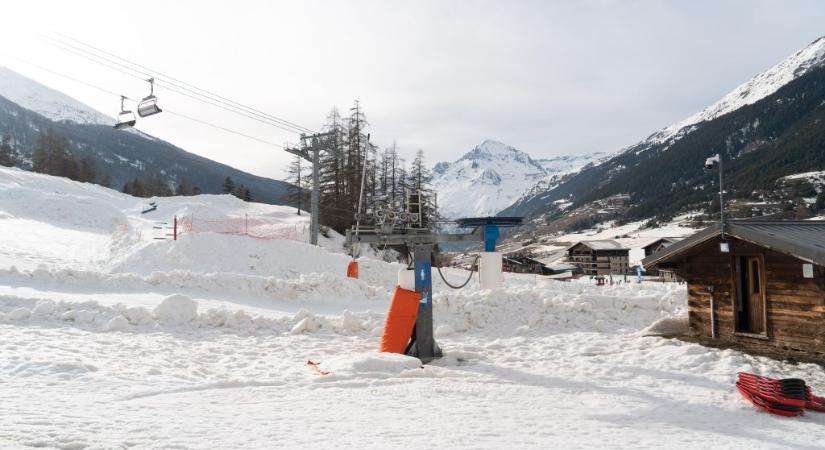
[(490, 261)]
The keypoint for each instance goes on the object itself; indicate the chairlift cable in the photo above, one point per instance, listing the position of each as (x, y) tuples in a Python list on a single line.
[(203, 122), (168, 77), (179, 84), (113, 93), (141, 76)]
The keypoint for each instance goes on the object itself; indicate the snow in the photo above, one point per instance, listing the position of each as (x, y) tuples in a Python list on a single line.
[(753, 90), (493, 175), (149, 344), (46, 101)]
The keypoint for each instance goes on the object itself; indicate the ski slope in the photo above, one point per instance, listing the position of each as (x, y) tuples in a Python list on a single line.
[(115, 340)]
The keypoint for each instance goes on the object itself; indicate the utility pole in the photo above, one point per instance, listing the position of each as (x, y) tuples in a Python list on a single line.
[(311, 148)]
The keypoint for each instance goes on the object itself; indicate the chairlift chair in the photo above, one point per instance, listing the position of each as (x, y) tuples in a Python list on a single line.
[(126, 118), (149, 105)]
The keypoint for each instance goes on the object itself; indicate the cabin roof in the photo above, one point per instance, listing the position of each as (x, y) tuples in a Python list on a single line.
[(600, 245), (801, 239), (668, 240)]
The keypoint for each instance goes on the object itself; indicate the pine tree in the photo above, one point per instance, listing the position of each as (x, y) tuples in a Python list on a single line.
[(295, 191), (228, 185), (6, 156), (420, 176)]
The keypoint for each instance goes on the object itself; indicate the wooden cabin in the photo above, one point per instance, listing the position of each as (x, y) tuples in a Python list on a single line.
[(599, 257), (759, 288)]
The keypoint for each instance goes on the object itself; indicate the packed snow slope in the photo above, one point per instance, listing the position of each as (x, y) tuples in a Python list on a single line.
[(492, 176), (113, 339)]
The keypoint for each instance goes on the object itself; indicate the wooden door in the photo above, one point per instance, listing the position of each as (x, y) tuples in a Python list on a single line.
[(755, 295)]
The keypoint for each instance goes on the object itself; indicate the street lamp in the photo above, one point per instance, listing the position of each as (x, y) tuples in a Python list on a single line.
[(709, 164)]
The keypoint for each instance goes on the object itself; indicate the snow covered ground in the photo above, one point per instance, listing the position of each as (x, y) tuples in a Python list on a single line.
[(114, 340)]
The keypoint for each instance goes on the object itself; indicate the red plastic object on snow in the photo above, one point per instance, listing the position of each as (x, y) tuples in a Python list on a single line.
[(400, 321), (786, 397), (352, 269)]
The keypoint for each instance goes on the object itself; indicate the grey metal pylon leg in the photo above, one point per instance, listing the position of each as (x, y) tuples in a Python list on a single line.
[(423, 345)]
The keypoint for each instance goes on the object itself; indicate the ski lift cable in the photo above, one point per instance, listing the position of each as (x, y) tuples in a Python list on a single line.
[(229, 130), (168, 77), (159, 76), (123, 97), (141, 76)]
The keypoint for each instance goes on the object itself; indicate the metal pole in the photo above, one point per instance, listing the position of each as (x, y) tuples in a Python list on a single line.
[(423, 345), (721, 200), (314, 201)]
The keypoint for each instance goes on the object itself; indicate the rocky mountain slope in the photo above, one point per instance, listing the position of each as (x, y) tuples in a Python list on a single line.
[(493, 175), (767, 128)]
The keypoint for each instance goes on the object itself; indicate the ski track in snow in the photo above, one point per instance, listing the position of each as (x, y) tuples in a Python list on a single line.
[(112, 340)]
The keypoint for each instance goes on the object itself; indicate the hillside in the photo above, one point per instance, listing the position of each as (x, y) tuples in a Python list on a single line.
[(772, 130), (27, 107)]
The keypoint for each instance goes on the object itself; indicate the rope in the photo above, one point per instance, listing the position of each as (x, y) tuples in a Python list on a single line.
[(438, 268)]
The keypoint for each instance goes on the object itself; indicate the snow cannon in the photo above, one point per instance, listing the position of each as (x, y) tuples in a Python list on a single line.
[(352, 269)]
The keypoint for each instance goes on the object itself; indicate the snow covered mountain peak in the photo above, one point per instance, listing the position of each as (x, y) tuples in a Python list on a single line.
[(484, 180), (46, 101), (753, 90)]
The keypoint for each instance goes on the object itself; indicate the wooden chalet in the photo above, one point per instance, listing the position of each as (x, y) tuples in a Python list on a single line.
[(655, 246), (760, 288)]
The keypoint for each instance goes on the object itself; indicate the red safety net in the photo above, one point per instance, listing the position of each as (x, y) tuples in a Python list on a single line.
[(256, 227)]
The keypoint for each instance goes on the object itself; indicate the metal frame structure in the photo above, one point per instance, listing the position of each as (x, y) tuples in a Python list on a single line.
[(422, 242), (311, 147)]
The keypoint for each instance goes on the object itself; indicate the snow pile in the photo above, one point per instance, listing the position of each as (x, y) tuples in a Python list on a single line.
[(177, 309), (553, 307)]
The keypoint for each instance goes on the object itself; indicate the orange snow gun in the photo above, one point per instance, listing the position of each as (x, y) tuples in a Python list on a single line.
[(400, 321), (352, 269)]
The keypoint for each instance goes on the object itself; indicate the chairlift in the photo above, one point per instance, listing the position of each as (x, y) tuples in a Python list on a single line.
[(149, 105), (126, 118)]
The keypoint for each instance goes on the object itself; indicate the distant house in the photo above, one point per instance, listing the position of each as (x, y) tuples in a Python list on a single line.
[(523, 264), (599, 257), (761, 288), (654, 247)]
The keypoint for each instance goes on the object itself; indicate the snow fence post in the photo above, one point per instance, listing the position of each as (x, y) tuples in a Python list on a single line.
[(175, 228)]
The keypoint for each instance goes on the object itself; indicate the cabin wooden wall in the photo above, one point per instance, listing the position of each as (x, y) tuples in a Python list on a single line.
[(795, 305)]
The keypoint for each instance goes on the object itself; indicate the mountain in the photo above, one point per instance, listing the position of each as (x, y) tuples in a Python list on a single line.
[(767, 128), (492, 176), (28, 107), (46, 101)]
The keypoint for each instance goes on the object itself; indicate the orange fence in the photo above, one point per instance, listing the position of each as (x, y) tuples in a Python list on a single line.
[(256, 227)]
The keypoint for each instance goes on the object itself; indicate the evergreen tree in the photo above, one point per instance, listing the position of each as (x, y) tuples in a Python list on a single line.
[(228, 185), (6, 156), (294, 177)]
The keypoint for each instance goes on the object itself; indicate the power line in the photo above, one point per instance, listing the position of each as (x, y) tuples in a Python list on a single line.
[(175, 85)]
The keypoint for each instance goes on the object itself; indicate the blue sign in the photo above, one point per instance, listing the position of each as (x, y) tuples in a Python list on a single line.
[(424, 281)]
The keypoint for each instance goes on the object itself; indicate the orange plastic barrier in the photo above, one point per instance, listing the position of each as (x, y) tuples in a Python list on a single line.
[(400, 320), (352, 269)]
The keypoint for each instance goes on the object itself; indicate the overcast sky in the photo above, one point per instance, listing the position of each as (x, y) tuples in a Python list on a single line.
[(549, 78)]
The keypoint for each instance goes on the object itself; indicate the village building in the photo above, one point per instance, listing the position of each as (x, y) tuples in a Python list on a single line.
[(654, 247), (599, 257), (760, 287)]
